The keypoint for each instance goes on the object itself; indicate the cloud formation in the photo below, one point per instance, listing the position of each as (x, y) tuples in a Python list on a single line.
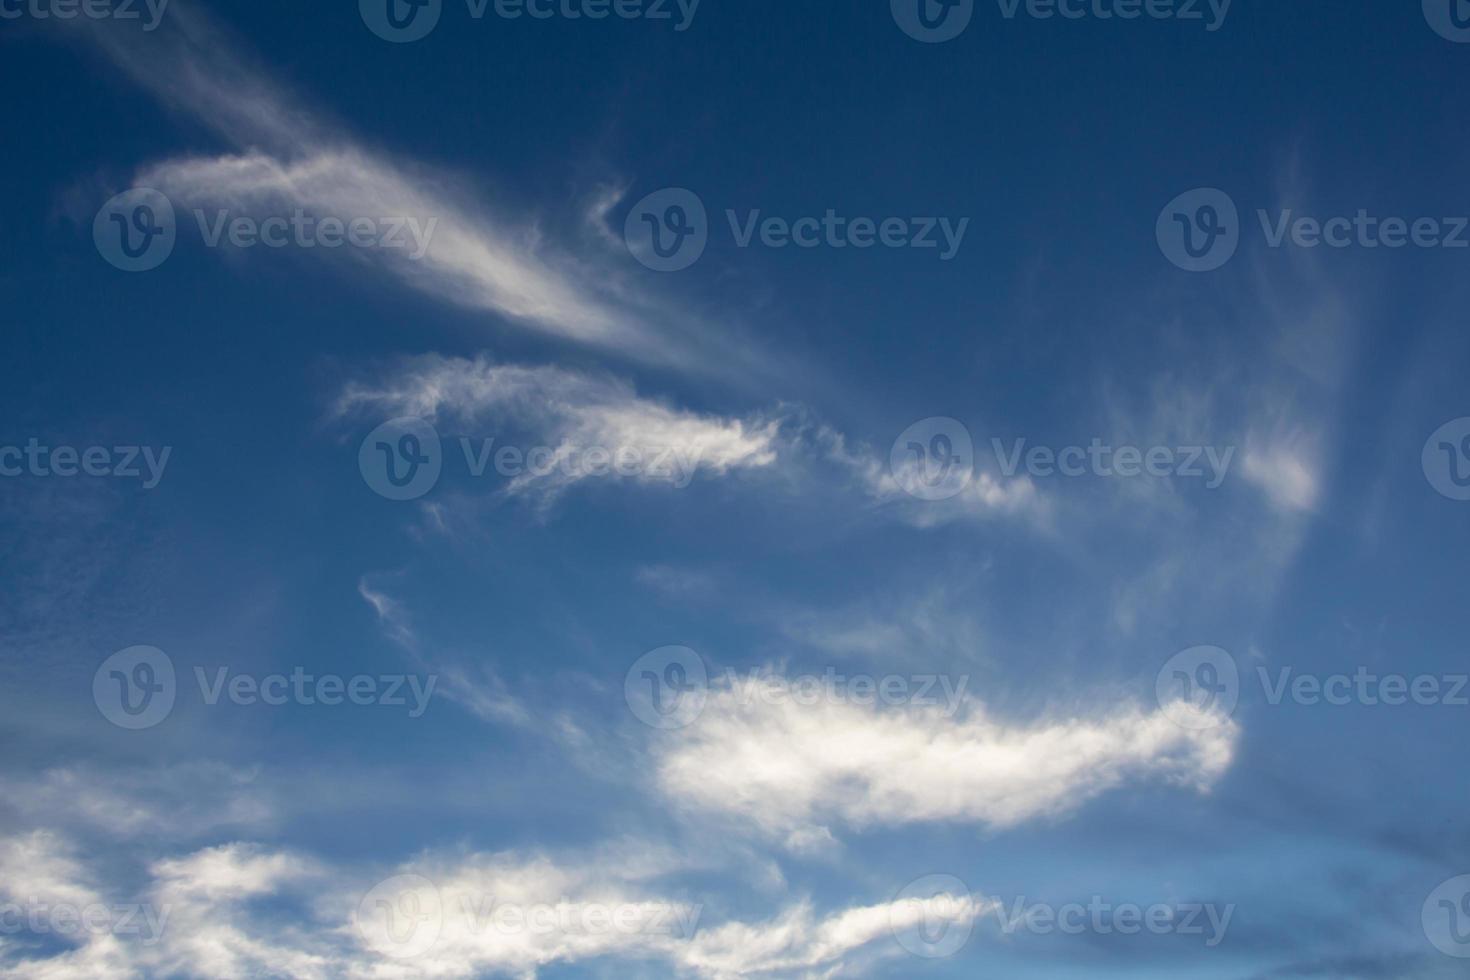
[(576, 415), (789, 769), (288, 157), (242, 909)]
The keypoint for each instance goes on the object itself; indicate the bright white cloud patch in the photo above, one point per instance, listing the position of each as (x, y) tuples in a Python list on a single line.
[(784, 768), (1286, 470), (583, 419), (242, 910)]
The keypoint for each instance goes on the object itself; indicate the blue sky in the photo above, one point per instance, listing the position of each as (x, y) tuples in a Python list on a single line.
[(833, 637)]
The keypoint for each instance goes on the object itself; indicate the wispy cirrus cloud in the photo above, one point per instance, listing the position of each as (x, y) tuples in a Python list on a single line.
[(572, 413), (289, 155)]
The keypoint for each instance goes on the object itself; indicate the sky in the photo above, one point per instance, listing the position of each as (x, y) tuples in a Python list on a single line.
[(668, 489)]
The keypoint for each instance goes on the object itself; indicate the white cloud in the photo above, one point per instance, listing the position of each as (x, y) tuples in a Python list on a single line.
[(289, 157), (575, 415), (798, 944), (783, 767), (986, 496), (1285, 469), (178, 800), (243, 910)]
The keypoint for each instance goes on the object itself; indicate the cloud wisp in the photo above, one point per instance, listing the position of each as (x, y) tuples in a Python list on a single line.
[(289, 157)]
